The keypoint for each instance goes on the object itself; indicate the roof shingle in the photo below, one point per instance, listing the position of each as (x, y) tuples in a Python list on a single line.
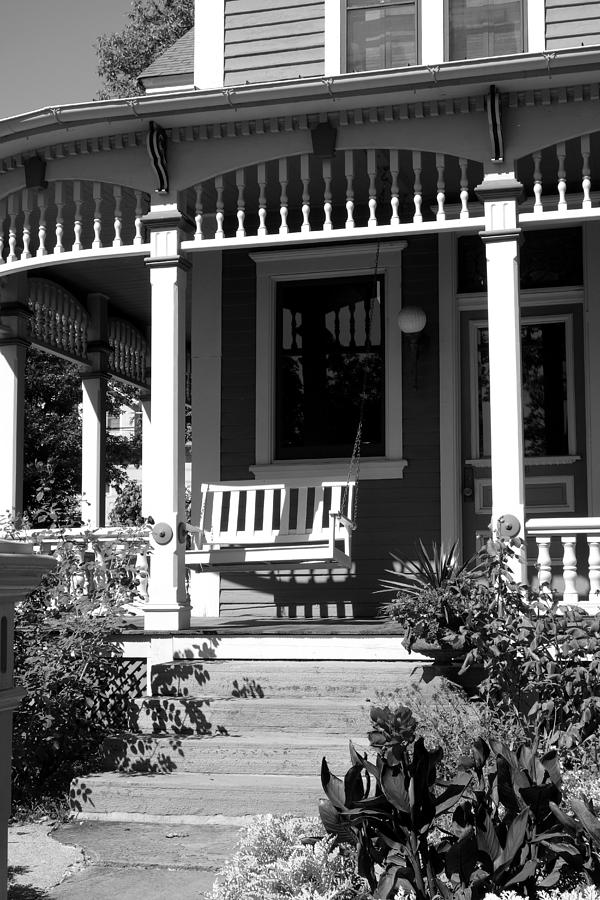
[(177, 60)]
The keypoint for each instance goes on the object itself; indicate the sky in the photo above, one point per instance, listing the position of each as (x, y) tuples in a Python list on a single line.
[(47, 57)]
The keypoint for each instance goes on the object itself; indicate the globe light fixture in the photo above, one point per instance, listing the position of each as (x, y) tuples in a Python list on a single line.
[(411, 322)]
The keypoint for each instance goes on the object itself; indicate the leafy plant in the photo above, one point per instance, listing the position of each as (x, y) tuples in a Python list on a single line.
[(280, 858), (430, 594), (76, 688), (508, 828)]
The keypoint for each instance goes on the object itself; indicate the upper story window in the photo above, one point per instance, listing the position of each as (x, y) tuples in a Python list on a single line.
[(482, 28), (380, 34)]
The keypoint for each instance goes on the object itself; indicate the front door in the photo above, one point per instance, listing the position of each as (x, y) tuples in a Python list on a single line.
[(553, 413)]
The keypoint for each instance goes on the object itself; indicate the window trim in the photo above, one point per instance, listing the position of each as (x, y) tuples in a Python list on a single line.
[(344, 36), (307, 264), (524, 35), (474, 326)]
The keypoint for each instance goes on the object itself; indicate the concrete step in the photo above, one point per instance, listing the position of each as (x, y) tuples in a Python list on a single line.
[(248, 679), (166, 715), (274, 753), (185, 797)]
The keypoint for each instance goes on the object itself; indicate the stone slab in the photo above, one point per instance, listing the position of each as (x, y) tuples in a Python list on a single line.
[(101, 883)]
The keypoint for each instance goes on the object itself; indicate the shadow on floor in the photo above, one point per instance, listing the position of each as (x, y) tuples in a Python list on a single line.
[(23, 891)]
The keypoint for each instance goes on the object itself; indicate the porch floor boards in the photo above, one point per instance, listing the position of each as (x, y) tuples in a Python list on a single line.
[(271, 627)]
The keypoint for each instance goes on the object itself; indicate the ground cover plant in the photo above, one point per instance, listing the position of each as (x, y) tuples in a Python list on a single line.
[(76, 690)]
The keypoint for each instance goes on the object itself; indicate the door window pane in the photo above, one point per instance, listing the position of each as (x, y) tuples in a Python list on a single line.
[(380, 35), (481, 28), (329, 352), (544, 395)]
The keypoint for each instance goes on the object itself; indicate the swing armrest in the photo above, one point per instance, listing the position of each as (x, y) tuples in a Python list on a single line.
[(345, 521)]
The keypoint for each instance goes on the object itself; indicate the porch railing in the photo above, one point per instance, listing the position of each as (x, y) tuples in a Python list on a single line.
[(568, 557), (94, 552)]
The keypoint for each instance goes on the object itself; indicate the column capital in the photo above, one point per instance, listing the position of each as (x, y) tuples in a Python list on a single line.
[(499, 187), (504, 234), (176, 261), (167, 217)]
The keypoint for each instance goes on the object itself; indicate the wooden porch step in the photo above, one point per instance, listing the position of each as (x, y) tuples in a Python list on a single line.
[(282, 753), (193, 796), (183, 716), (260, 679)]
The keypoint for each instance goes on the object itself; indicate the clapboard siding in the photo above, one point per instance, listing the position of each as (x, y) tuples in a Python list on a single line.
[(271, 40), (571, 23), (392, 514)]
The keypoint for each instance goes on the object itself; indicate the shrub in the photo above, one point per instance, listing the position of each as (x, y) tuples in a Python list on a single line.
[(127, 509), (76, 688), (508, 828), (285, 858)]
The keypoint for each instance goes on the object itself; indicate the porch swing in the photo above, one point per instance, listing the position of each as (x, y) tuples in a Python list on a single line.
[(248, 526)]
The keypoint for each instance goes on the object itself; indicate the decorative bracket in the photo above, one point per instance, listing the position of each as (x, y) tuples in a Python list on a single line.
[(495, 124), (157, 150)]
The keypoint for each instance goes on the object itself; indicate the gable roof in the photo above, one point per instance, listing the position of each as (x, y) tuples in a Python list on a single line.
[(177, 60)]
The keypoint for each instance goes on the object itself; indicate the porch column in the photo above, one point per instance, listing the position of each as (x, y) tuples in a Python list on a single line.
[(168, 608), (145, 406), (500, 194), (14, 340), (93, 416)]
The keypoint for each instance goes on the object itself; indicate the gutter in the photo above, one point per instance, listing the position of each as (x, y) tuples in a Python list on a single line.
[(446, 80)]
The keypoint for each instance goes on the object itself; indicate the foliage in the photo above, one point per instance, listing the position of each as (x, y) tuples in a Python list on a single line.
[(127, 509), (280, 858), (508, 828), (541, 658), (444, 718), (52, 450), (431, 593), (152, 27), (76, 691)]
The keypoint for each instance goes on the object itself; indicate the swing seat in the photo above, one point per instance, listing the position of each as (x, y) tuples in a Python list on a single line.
[(247, 526)]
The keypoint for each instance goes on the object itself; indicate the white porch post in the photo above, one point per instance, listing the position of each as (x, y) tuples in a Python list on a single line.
[(205, 587), (14, 340), (93, 416), (145, 406), (500, 194), (168, 608)]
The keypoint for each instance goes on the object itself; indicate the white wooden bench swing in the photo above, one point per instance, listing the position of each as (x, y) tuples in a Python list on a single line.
[(248, 526)]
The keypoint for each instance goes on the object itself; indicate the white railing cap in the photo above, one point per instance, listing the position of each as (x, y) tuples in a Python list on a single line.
[(563, 526)]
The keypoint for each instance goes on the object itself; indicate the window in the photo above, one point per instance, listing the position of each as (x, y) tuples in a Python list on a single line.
[(380, 34), (482, 28), (329, 354), (547, 379), (318, 329)]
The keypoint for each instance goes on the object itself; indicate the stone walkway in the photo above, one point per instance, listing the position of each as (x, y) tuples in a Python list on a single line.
[(108, 860)]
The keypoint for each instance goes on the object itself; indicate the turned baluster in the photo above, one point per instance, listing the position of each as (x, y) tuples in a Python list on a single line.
[(240, 183), (372, 172), (97, 195), (117, 195), (2, 218), (77, 223), (394, 197), (143, 574), (441, 187), (586, 183), (594, 566), (41, 250), (198, 236), (327, 207), (12, 229), (283, 198), (418, 199), (262, 198), (538, 207), (77, 328), (220, 214), (59, 227), (349, 173), (26, 202), (305, 177), (561, 154), (569, 569), (544, 563), (139, 237), (464, 188)]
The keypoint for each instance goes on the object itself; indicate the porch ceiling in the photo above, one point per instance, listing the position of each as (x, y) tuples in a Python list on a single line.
[(125, 281)]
